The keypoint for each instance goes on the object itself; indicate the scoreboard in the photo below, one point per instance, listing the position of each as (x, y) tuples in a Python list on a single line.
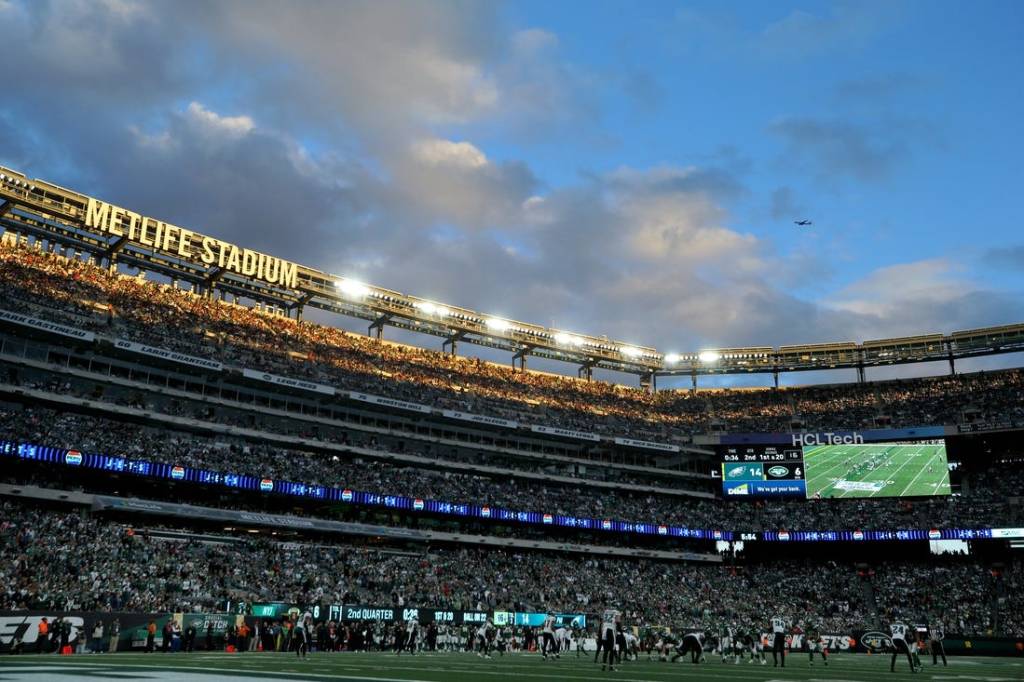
[(762, 471)]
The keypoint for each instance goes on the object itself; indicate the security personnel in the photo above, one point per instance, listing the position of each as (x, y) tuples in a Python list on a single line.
[(42, 635)]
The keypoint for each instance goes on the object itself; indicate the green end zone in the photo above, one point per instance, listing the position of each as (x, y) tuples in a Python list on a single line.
[(461, 667), (876, 470)]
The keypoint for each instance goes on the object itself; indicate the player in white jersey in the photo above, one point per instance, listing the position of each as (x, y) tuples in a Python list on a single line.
[(610, 621), (900, 645), (300, 633), (412, 630), (499, 640), (548, 637), (779, 640), (562, 638), (483, 643)]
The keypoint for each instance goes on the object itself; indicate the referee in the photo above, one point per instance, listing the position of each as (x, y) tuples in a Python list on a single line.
[(936, 633)]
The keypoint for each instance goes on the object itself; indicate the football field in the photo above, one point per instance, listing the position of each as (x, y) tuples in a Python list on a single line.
[(877, 470), (460, 667)]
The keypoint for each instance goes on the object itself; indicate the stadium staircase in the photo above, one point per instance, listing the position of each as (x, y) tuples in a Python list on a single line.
[(870, 603)]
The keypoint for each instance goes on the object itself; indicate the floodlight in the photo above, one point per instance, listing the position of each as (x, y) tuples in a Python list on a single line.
[(563, 339), (429, 308), (496, 324), (709, 356), (352, 288), (630, 352), (672, 359)]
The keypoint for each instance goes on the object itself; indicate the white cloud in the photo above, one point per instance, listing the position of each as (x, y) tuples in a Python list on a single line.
[(215, 125), (890, 289), (447, 153)]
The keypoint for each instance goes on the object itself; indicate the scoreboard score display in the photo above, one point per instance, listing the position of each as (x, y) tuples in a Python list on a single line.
[(762, 471)]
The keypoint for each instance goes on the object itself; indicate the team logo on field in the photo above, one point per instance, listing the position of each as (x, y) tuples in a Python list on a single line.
[(858, 535), (778, 471), (548, 518), (346, 495), (934, 535), (266, 485), (783, 535), (876, 641), (662, 530), (485, 512), (73, 457), (417, 505), (177, 473), (606, 524)]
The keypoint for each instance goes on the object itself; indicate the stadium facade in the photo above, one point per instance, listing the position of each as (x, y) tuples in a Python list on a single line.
[(148, 422)]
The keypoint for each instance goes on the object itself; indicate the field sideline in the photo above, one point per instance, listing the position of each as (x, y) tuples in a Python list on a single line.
[(879, 470), (460, 667)]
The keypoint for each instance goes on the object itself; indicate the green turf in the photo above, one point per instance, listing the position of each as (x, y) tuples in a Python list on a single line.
[(452, 667), (899, 470)]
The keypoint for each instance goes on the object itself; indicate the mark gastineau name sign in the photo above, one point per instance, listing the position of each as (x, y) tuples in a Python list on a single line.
[(168, 238)]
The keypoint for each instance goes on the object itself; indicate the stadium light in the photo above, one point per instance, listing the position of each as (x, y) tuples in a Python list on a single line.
[(630, 352), (496, 324), (429, 308), (352, 288), (672, 359), (709, 356), (563, 339)]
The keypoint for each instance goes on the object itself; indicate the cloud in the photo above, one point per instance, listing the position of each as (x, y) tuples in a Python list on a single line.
[(800, 34), (342, 136), (834, 148), (1009, 257), (869, 89), (935, 295)]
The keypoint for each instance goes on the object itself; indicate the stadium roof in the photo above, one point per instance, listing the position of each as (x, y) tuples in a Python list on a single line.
[(73, 220)]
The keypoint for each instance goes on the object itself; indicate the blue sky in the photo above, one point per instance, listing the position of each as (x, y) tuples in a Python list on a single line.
[(629, 169)]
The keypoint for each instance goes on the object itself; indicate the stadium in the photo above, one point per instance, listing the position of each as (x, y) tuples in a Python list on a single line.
[(208, 474)]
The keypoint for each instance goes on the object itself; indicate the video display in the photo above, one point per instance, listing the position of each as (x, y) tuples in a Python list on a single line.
[(914, 469)]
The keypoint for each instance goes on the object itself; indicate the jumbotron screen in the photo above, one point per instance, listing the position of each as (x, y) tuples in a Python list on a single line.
[(913, 469)]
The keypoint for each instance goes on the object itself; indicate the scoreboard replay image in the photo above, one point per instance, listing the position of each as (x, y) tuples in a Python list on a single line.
[(762, 471)]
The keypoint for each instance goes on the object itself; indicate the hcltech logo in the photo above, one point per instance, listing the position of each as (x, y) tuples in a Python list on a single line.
[(830, 438)]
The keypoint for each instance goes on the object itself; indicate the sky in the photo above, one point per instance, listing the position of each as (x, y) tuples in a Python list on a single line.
[(611, 168)]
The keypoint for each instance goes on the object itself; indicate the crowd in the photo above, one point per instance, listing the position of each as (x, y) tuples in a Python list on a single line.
[(71, 561), (83, 294), (985, 502)]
